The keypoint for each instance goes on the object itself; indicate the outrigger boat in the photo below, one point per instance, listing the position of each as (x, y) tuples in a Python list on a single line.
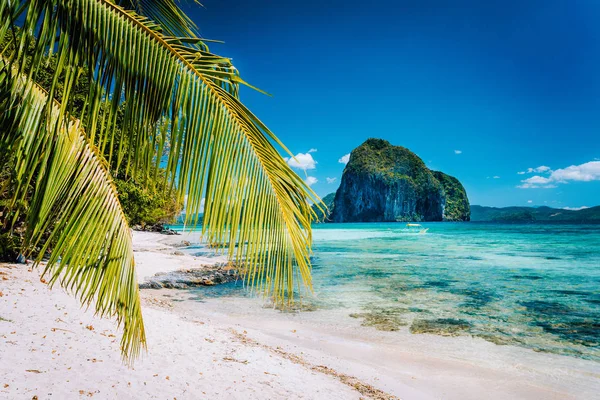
[(414, 227)]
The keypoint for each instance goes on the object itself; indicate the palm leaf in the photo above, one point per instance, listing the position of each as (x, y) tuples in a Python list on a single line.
[(255, 205), (170, 88), (165, 12), (75, 198)]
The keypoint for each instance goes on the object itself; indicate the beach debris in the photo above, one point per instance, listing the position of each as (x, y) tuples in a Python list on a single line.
[(231, 359), (159, 302), (35, 371), (363, 388), (89, 327), (60, 329)]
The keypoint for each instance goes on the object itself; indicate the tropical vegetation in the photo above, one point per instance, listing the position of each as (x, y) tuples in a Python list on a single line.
[(154, 96)]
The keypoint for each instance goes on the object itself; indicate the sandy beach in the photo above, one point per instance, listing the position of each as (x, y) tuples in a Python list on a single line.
[(227, 348)]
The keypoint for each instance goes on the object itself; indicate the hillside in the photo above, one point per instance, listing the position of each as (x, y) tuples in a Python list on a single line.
[(534, 214)]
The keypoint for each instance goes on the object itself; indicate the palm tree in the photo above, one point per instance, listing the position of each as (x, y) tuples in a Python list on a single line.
[(180, 106)]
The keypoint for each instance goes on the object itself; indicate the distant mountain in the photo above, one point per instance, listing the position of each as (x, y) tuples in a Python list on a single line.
[(382, 182), (327, 201), (535, 214)]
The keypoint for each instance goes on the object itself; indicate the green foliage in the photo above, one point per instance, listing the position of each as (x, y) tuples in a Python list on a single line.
[(11, 218), (457, 203), (145, 202), (149, 203), (379, 157)]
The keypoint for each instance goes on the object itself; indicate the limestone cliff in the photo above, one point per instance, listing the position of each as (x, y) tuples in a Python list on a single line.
[(382, 182)]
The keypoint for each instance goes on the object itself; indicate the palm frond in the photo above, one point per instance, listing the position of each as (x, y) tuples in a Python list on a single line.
[(166, 13), (74, 199), (256, 207)]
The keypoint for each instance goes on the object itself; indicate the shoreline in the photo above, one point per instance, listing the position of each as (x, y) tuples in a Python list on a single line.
[(235, 348)]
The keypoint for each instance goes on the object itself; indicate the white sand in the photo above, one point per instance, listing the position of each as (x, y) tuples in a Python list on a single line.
[(156, 253), (230, 349)]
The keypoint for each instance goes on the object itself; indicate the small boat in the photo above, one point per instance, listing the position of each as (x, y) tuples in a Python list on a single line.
[(414, 227)]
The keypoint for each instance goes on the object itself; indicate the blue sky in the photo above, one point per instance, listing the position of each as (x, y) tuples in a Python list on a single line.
[(479, 90)]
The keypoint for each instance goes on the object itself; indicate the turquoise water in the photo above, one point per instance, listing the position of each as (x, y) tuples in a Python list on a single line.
[(536, 286)]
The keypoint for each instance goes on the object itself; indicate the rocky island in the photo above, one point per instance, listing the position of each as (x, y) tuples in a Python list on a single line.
[(383, 183)]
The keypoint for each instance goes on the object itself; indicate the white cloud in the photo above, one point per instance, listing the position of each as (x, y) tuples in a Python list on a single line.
[(313, 150), (457, 151), (344, 159), (302, 161), (537, 180), (540, 169), (496, 177), (587, 172), (331, 180), (311, 180), (534, 186), (575, 208), (530, 201)]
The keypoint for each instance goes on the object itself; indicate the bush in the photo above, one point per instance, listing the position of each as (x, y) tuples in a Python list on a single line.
[(147, 204)]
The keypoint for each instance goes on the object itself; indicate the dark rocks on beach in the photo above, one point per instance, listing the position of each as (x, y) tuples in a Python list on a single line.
[(159, 228), (194, 277)]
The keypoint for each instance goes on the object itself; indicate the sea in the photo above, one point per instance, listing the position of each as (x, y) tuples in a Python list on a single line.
[(534, 286)]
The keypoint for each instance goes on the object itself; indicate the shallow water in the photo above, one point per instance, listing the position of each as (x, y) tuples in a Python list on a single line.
[(536, 286)]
